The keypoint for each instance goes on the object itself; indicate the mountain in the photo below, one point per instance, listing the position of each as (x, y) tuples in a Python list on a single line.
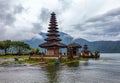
[(107, 46), (66, 39), (102, 46)]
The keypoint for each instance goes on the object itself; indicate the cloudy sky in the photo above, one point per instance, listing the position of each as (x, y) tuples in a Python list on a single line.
[(89, 19)]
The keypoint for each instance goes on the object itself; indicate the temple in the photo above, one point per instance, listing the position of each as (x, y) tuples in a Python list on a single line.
[(52, 43), (73, 49), (85, 51)]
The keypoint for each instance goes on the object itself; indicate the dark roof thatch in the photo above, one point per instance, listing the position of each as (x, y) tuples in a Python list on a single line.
[(52, 38), (74, 44), (55, 44), (53, 34)]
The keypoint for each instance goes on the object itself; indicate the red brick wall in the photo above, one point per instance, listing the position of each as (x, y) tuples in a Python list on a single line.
[(52, 51)]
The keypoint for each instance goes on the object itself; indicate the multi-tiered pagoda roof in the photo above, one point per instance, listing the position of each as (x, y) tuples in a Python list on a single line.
[(52, 39)]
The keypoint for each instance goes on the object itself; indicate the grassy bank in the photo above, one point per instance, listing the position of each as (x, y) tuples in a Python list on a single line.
[(10, 59), (24, 59), (50, 61), (13, 56)]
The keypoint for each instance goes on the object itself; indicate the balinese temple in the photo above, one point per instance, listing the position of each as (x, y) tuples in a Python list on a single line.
[(52, 43), (73, 49), (85, 51)]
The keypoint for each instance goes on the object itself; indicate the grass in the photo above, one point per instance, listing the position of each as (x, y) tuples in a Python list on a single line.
[(30, 61), (5, 59), (13, 56), (37, 61), (25, 59), (50, 61)]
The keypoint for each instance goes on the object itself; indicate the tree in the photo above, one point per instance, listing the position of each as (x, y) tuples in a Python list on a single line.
[(1, 45), (17, 47), (20, 47), (34, 51), (5, 45)]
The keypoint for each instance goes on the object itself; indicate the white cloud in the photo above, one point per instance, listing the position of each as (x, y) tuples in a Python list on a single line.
[(22, 18)]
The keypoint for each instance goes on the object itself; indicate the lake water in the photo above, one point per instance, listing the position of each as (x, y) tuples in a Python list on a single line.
[(104, 70)]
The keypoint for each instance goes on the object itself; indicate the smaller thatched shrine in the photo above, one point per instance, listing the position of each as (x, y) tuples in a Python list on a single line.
[(73, 49), (85, 51)]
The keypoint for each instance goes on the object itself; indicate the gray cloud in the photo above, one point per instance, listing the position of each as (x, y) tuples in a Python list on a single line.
[(14, 21), (79, 27), (65, 4), (18, 9), (2, 30), (103, 26), (114, 12), (45, 14), (114, 27), (5, 13), (37, 28), (8, 11), (43, 18), (106, 17), (7, 18)]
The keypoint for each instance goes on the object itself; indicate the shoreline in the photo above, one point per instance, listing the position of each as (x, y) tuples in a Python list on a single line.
[(25, 61)]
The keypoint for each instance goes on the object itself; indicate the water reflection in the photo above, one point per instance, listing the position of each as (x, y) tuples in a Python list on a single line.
[(52, 73), (86, 63), (105, 70), (73, 64)]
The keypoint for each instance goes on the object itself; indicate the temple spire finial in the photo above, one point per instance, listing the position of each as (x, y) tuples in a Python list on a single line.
[(53, 13)]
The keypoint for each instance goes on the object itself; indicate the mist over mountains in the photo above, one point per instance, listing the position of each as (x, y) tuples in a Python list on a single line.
[(102, 46)]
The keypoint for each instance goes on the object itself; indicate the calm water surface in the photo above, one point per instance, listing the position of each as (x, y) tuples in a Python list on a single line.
[(104, 70)]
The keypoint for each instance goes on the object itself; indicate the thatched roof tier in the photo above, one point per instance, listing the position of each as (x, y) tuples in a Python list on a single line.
[(55, 44), (52, 34), (52, 27), (52, 31), (74, 45), (52, 38)]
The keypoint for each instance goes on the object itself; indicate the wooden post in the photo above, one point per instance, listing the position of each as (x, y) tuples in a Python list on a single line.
[(54, 50)]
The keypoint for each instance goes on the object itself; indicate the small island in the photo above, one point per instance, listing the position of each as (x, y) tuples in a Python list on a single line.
[(53, 47), (55, 51)]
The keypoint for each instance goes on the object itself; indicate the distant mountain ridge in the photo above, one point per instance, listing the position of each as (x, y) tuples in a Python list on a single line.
[(102, 46)]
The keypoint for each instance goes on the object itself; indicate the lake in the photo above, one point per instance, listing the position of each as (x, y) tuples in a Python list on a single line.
[(104, 70)]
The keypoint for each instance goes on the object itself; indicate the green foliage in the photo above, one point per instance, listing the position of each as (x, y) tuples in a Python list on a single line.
[(52, 61), (35, 51), (14, 47), (31, 61), (5, 45), (13, 56), (20, 47)]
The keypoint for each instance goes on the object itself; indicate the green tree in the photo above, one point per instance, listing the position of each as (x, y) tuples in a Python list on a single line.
[(34, 51), (1, 45), (17, 47), (5, 45), (20, 47)]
